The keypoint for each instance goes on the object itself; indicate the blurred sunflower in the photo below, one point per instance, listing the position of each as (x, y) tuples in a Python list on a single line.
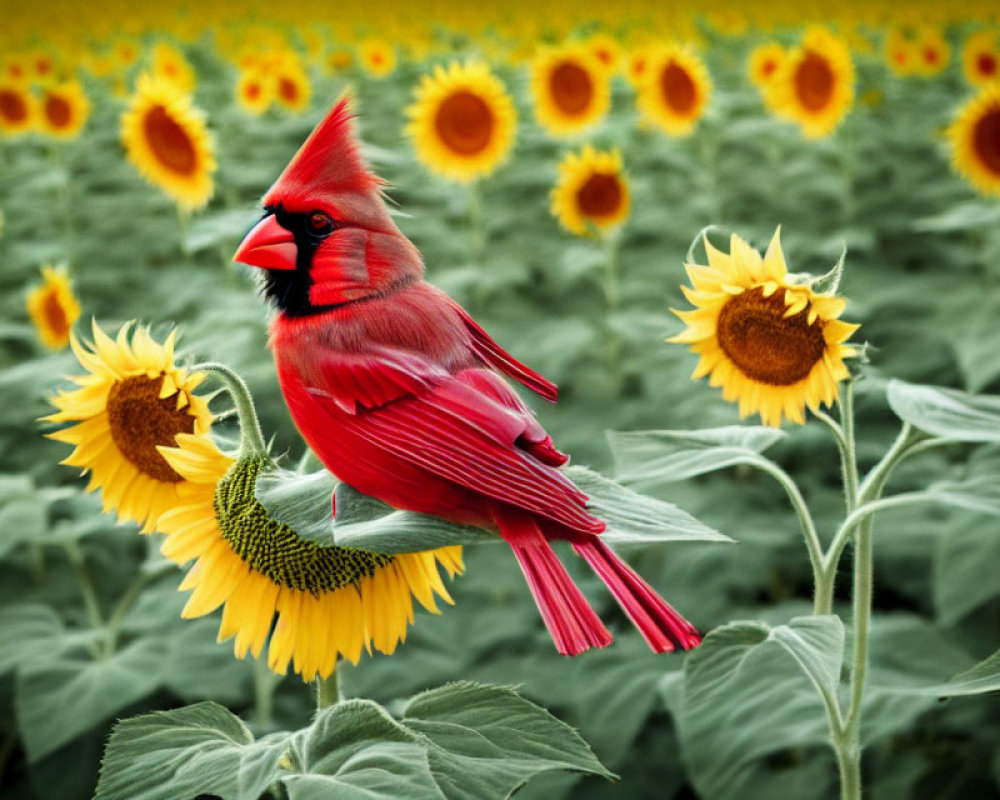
[(981, 58), (53, 308), (63, 110), (773, 346), (169, 63), (570, 88), (637, 65), (340, 59), (254, 90), (15, 69), (764, 64), (462, 121), (18, 108), (165, 137), (377, 57), (975, 140), (674, 92), (134, 399), (591, 190), (292, 88), (124, 52), (901, 53), (329, 600), (933, 52), (816, 86), (607, 51), (42, 66)]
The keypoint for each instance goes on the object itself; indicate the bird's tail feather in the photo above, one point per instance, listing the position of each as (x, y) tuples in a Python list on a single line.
[(662, 627), (572, 623)]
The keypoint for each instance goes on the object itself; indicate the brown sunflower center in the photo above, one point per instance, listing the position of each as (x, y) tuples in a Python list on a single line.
[(288, 90), (170, 143), (13, 108), (765, 345), (464, 123), (571, 88), (768, 67), (140, 420), (252, 91), (678, 89), (986, 139), (275, 550), (55, 315), (600, 196), (986, 64), (58, 111), (814, 80), (931, 55)]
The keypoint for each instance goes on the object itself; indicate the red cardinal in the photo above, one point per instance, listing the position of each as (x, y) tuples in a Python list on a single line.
[(400, 394)]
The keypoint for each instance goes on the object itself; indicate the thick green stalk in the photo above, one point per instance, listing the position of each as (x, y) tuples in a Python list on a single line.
[(251, 436), (327, 691), (264, 682), (87, 589)]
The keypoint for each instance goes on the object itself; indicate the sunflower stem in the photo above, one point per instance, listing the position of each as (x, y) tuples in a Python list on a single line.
[(183, 228), (126, 601), (251, 436), (87, 588), (327, 691), (264, 682)]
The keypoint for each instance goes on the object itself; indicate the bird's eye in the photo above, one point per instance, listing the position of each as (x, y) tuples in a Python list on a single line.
[(320, 222)]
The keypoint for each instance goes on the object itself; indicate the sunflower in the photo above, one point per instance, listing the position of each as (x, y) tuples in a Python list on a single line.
[(462, 121), (675, 90), (254, 90), (18, 108), (571, 89), (764, 64), (591, 190), (53, 308), (340, 59), (901, 53), (166, 139), (774, 346), (133, 399), (291, 83), (377, 57), (816, 85), (607, 51), (170, 64), (637, 65), (331, 601), (63, 110), (16, 69), (42, 65), (975, 140), (981, 58), (933, 52)]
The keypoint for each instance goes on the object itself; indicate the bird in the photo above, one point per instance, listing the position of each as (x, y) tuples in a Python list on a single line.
[(404, 397)]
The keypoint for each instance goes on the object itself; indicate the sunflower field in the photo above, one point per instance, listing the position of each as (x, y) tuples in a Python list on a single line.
[(756, 246)]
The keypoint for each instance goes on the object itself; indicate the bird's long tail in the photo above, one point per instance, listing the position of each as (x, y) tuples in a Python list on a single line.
[(662, 627), (572, 623)]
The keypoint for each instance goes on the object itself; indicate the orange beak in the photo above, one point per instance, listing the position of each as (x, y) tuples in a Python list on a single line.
[(268, 246)]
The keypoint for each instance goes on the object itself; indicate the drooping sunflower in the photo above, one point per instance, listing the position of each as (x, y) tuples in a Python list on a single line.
[(254, 90), (18, 108), (377, 57), (53, 308), (975, 140), (134, 399), (330, 601), (674, 92), (981, 58), (764, 64), (166, 138), (571, 89), (63, 110), (591, 191), (774, 346), (169, 63), (816, 85), (462, 121)]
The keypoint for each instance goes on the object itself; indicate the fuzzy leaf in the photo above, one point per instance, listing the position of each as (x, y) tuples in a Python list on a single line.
[(189, 752), (948, 413), (645, 457), (28, 632)]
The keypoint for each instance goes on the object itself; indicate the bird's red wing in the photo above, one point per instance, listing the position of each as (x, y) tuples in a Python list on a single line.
[(472, 430), (489, 352)]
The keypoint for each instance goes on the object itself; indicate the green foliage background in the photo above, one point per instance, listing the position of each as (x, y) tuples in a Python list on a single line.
[(922, 268)]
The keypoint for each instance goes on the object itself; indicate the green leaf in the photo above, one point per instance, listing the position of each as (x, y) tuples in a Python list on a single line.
[(749, 693), (645, 457), (634, 518), (304, 502), (197, 666), (980, 494), (28, 632), (23, 512), (58, 699), (186, 753), (982, 678), (489, 741), (948, 413), (965, 567)]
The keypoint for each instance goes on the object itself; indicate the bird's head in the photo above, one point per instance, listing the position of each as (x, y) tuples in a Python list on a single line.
[(326, 237)]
